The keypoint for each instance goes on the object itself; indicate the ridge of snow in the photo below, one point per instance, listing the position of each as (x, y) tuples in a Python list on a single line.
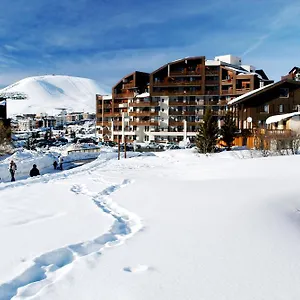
[(277, 118)]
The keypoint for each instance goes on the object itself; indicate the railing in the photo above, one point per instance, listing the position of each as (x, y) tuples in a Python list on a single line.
[(178, 83), (244, 90), (227, 92), (212, 82), (212, 92), (121, 105), (139, 114), (227, 81), (128, 85), (274, 132), (124, 95), (212, 72), (197, 72), (182, 113), (143, 104), (178, 93), (111, 114), (177, 103)]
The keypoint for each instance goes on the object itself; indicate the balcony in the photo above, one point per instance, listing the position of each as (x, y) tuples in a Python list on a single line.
[(104, 106), (243, 90), (175, 123), (177, 93), (227, 82), (196, 72), (139, 113), (143, 104), (212, 82), (182, 113), (123, 95), (212, 72), (212, 92), (109, 114), (121, 105), (178, 103), (128, 85), (227, 92), (178, 83)]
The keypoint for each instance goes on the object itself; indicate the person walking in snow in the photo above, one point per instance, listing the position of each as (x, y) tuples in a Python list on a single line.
[(34, 171), (12, 170), (60, 161), (55, 165)]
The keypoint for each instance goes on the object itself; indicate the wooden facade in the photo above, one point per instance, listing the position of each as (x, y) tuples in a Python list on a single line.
[(162, 103)]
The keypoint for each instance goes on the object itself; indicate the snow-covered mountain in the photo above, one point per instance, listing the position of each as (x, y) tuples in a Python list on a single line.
[(50, 93)]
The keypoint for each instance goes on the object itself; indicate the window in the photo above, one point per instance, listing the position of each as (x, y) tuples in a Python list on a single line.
[(284, 93), (265, 108), (281, 108)]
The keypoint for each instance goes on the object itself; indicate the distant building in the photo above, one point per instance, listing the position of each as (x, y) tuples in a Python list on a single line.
[(169, 104)]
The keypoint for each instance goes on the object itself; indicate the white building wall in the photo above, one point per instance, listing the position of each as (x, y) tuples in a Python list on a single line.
[(229, 59)]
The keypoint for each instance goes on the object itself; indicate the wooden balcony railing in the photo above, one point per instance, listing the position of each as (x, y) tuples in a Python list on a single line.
[(143, 104), (207, 92), (139, 114), (227, 92), (124, 95), (212, 82), (128, 85), (109, 114), (177, 93), (212, 72), (179, 83), (196, 72), (121, 105), (178, 103), (182, 113), (242, 91)]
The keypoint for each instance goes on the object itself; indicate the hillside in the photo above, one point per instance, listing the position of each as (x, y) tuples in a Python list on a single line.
[(50, 93)]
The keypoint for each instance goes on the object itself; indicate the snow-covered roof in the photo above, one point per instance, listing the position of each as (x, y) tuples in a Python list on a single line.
[(107, 97), (248, 94), (277, 118), (180, 59), (143, 95)]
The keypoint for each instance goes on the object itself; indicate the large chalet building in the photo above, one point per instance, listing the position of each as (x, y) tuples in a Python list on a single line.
[(279, 100), (169, 103)]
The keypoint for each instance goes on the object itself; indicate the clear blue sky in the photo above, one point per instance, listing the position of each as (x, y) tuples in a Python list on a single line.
[(106, 39)]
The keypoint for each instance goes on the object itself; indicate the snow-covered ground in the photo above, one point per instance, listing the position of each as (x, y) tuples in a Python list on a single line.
[(50, 93), (174, 225)]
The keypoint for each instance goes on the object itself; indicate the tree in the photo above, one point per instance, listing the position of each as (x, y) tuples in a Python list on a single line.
[(4, 133), (228, 130), (207, 136)]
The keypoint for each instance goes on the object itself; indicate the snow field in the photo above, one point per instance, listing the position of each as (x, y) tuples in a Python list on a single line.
[(187, 226)]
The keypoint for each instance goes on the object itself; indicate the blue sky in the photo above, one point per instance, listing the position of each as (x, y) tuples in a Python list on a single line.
[(106, 39)]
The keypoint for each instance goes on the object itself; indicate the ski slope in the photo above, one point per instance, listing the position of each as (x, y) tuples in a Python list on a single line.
[(51, 93), (175, 225)]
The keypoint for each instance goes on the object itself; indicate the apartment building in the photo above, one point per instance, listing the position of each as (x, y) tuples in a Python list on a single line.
[(169, 103)]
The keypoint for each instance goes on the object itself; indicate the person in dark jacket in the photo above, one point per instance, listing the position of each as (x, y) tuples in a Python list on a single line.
[(12, 170), (34, 171), (55, 165)]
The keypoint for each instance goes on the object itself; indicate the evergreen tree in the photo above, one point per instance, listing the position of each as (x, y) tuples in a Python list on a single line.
[(207, 136), (228, 130)]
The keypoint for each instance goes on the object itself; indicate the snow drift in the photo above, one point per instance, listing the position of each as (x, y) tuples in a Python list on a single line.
[(51, 93)]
